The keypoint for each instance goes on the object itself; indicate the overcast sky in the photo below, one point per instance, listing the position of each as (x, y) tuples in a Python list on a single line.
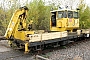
[(22, 2), (88, 2)]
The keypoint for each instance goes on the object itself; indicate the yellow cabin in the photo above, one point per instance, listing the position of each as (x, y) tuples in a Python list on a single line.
[(64, 20)]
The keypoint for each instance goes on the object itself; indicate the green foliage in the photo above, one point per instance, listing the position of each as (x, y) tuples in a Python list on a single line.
[(40, 14), (84, 16), (2, 18), (5, 16)]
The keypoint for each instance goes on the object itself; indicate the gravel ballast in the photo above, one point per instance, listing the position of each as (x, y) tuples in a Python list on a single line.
[(79, 50), (74, 51)]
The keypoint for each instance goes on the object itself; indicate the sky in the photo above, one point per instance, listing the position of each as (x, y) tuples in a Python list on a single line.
[(88, 2), (22, 2)]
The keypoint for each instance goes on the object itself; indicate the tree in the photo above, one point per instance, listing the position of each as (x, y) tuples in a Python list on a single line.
[(84, 16), (40, 14), (2, 19)]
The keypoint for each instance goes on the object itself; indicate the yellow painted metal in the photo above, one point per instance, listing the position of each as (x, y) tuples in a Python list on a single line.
[(26, 48), (9, 42), (64, 24), (22, 35), (13, 23), (18, 19)]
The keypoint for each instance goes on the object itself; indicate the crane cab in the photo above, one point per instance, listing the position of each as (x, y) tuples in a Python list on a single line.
[(64, 20)]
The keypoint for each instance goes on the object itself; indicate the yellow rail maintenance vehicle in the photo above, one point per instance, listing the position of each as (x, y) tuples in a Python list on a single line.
[(64, 20), (20, 34)]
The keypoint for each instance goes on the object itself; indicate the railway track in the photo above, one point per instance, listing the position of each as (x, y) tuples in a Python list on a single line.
[(18, 54), (71, 51)]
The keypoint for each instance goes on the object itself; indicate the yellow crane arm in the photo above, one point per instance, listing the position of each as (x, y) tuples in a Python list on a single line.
[(15, 20)]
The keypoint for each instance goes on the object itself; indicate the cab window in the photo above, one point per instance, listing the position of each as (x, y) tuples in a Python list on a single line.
[(70, 14), (62, 14), (75, 15)]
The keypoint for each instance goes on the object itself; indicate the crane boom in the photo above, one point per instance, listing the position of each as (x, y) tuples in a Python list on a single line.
[(15, 20)]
